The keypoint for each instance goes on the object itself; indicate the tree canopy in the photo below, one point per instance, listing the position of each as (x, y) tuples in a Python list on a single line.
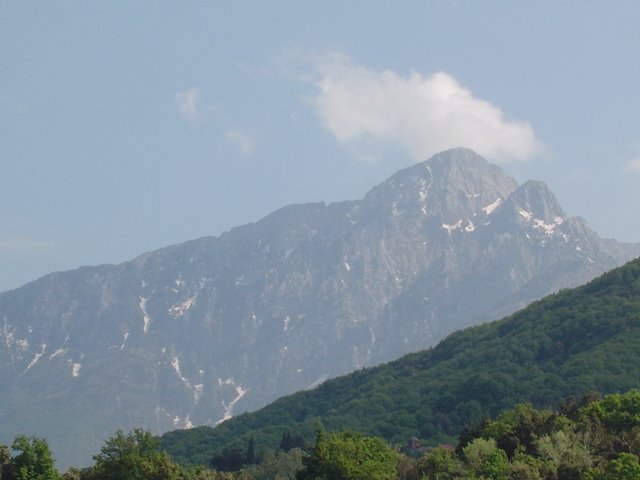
[(348, 456)]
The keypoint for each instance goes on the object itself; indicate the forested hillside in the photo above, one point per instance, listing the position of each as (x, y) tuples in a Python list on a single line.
[(564, 345)]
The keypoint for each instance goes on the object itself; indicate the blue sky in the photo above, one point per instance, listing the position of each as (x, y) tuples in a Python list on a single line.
[(129, 126)]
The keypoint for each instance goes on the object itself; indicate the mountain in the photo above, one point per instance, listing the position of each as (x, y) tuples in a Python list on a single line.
[(567, 344), (195, 333)]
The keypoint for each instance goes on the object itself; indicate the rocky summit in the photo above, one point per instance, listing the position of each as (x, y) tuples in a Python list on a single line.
[(195, 333)]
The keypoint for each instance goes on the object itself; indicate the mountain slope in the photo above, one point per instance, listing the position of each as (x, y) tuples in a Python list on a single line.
[(566, 344), (195, 333)]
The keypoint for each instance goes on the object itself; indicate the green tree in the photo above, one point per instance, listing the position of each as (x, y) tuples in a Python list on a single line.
[(486, 460), (527, 467), (202, 473), (135, 456), (614, 422), (5, 461), (619, 412), (251, 451), (72, 474), (348, 456), (230, 459), (440, 463), (33, 461), (278, 465), (625, 467), (565, 453)]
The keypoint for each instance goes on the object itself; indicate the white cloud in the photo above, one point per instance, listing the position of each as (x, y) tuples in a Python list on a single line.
[(188, 104), (422, 114), (633, 165), (242, 140), (17, 243)]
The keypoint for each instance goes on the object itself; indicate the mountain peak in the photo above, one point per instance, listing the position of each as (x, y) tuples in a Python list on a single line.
[(534, 199), (460, 156), (451, 185)]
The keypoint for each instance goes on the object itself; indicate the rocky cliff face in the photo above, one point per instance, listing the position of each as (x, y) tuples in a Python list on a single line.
[(195, 333)]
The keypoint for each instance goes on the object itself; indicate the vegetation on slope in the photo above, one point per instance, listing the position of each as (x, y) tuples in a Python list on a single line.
[(590, 439), (564, 345)]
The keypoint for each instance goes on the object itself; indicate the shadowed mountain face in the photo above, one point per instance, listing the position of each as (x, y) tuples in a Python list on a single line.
[(195, 333)]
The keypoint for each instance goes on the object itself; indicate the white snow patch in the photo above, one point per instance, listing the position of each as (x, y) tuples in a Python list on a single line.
[(60, 351), (287, 319), (145, 316), (175, 363), (489, 209), (228, 408), (179, 282), (590, 260), (424, 210), (347, 266), (180, 309), (36, 358), (124, 340), (578, 249), (22, 344), (545, 227), (470, 227), (9, 340), (75, 369), (179, 422), (450, 228), (196, 390), (526, 215)]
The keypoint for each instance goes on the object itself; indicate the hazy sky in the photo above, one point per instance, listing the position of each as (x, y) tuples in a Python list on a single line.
[(129, 126)]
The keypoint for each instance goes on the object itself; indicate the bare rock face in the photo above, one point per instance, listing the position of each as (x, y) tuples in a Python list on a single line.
[(195, 333)]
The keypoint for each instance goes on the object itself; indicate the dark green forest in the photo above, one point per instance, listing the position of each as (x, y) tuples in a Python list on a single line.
[(564, 345)]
